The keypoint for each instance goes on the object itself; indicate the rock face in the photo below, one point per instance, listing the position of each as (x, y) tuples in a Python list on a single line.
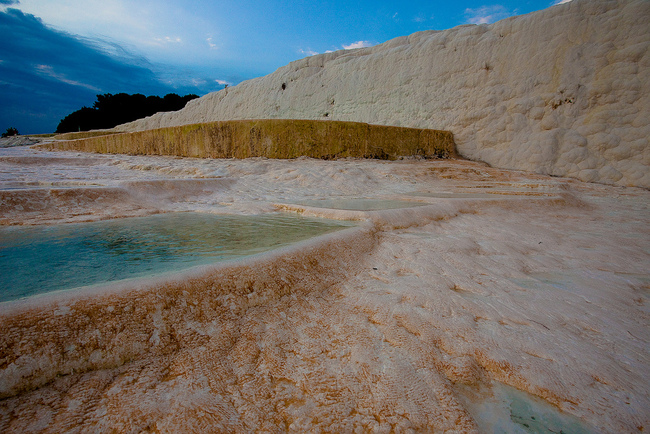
[(8, 142), (564, 91), (273, 138)]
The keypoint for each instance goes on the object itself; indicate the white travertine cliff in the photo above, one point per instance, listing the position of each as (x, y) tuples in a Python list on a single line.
[(564, 91)]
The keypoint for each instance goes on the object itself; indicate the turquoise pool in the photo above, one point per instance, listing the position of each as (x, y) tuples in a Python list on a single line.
[(35, 260)]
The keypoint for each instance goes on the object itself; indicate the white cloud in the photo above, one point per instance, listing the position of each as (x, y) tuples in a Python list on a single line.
[(421, 18), (560, 2), (89, 17), (358, 44), (157, 28), (49, 71), (307, 52), (169, 40), (352, 46), (486, 14), (223, 82), (212, 45)]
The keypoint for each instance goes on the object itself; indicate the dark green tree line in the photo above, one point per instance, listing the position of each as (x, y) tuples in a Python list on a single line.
[(11, 131), (110, 110)]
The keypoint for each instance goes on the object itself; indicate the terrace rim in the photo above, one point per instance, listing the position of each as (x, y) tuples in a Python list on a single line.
[(270, 138)]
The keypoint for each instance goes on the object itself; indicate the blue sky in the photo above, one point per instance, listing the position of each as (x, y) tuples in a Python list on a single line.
[(57, 55)]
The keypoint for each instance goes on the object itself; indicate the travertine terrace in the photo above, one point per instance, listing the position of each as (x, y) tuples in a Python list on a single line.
[(403, 323), (271, 138), (411, 321), (564, 91)]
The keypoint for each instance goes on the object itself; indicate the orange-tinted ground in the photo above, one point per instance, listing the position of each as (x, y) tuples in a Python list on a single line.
[(401, 324)]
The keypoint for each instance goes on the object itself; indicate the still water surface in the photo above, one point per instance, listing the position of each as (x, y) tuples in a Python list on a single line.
[(504, 409), (42, 259)]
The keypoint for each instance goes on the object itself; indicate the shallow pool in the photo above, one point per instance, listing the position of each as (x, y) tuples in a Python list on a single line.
[(504, 409), (42, 259)]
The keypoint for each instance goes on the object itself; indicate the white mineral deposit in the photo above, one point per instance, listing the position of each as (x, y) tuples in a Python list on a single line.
[(564, 91), (407, 322), (506, 292)]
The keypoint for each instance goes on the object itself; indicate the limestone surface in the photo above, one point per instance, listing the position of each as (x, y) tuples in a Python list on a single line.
[(564, 91), (271, 138), (406, 323)]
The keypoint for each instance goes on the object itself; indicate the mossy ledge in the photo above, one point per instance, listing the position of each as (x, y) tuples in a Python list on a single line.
[(272, 138)]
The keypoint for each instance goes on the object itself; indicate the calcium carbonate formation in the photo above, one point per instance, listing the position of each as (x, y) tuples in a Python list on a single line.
[(564, 91)]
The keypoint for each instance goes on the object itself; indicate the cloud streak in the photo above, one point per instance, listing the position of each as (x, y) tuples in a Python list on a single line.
[(48, 71), (169, 40)]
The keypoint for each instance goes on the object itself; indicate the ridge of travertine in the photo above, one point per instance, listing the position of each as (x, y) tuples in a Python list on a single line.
[(564, 91)]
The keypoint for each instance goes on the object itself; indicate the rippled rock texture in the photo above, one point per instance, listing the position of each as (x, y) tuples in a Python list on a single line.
[(402, 324)]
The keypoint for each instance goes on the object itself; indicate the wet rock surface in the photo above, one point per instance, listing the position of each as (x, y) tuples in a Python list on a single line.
[(404, 323)]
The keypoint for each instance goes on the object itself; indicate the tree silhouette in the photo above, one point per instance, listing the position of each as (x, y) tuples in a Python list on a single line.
[(11, 131), (110, 110)]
